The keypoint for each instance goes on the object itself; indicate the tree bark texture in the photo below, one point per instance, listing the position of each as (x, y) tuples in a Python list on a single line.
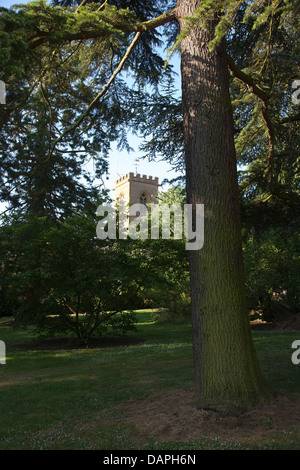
[(226, 367)]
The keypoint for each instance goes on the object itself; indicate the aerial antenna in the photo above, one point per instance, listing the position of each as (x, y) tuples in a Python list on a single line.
[(136, 165)]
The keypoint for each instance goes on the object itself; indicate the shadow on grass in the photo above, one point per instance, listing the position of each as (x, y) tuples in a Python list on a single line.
[(65, 343)]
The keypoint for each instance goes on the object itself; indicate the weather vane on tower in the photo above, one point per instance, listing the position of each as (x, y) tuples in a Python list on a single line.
[(136, 165)]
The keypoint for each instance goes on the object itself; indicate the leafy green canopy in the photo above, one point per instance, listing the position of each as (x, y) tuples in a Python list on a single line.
[(53, 124), (78, 48)]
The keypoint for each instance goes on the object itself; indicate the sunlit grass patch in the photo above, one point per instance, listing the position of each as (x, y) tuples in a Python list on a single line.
[(79, 398)]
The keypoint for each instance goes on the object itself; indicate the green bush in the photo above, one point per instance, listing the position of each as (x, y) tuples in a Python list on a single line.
[(63, 279)]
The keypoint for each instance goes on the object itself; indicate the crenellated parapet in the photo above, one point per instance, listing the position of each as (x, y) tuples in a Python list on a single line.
[(137, 178)]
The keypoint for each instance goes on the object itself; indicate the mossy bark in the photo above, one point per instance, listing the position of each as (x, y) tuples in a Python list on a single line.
[(227, 371)]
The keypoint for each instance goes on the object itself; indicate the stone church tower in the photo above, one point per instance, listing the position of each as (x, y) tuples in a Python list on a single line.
[(136, 189)]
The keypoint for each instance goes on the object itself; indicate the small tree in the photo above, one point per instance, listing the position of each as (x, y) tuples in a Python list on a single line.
[(66, 280)]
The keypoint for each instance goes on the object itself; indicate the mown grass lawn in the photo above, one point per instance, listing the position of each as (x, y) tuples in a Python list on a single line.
[(77, 398)]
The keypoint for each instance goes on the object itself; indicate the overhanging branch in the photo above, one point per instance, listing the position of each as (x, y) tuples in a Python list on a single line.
[(264, 97), (93, 103), (41, 37), (247, 79)]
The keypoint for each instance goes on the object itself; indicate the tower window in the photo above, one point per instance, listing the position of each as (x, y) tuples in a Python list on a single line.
[(143, 199)]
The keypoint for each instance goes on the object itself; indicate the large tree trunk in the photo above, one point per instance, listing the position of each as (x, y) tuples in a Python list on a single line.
[(226, 367)]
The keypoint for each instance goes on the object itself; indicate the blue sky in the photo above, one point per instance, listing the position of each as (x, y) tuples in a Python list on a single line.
[(8, 3), (121, 162)]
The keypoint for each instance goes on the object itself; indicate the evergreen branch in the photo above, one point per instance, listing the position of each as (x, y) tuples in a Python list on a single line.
[(31, 90), (96, 32), (247, 79), (80, 5), (264, 97), (94, 102), (84, 2), (159, 21)]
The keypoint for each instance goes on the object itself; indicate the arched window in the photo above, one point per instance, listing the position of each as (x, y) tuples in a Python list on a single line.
[(143, 199)]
